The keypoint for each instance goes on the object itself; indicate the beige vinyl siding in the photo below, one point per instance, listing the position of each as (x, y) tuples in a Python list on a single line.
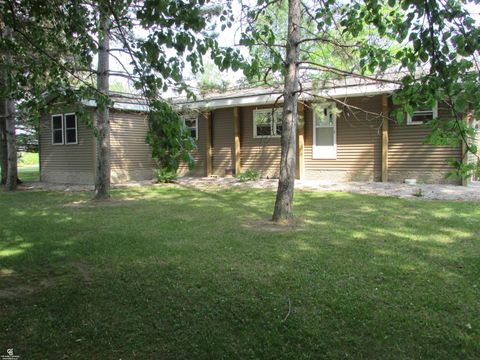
[(409, 157), (359, 145), (222, 141), (199, 154), (262, 154), (66, 164), (131, 157)]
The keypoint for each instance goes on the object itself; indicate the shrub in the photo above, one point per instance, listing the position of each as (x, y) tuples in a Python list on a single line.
[(166, 176), (249, 175)]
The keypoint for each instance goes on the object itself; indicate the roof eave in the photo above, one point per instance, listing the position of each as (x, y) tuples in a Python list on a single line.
[(371, 89)]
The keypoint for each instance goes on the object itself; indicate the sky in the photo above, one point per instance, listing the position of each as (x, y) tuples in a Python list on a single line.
[(229, 37)]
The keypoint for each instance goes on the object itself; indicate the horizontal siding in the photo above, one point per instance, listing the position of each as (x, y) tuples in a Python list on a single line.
[(407, 151), (199, 155), (262, 154), (131, 157), (222, 141), (66, 163), (359, 148), (127, 139)]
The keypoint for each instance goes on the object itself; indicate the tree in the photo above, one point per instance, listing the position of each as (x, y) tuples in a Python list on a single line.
[(173, 33), (3, 142), (375, 36), (102, 123), (442, 40), (284, 201), (35, 43), (211, 79), (9, 115)]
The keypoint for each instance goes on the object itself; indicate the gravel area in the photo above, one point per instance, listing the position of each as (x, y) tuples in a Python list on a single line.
[(418, 191)]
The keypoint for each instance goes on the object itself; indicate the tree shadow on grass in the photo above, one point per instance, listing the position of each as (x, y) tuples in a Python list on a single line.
[(175, 275)]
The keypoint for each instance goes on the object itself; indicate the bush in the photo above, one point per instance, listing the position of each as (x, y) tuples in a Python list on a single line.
[(166, 176), (249, 175)]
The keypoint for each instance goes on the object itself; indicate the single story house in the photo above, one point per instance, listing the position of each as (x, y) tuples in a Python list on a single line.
[(344, 134)]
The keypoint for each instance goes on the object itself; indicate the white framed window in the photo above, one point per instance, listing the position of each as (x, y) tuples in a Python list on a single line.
[(191, 123), (267, 123), (421, 116), (57, 129), (71, 129), (64, 129), (324, 132)]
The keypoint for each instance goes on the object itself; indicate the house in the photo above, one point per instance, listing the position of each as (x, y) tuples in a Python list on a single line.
[(343, 135)]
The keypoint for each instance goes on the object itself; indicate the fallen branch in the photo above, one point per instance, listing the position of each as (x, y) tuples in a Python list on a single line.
[(289, 310)]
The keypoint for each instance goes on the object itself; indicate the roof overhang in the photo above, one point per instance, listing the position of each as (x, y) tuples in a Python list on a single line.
[(262, 97), (366, 89), (118, 105)]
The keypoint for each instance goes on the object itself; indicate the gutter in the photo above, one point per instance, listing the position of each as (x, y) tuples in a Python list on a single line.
[(263, 98)]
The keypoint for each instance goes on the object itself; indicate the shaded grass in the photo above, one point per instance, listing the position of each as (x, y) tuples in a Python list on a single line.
[(28, 173), (169, 272), (28, 168)]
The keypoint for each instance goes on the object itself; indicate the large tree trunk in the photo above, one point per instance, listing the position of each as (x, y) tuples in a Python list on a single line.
[(11, 182), (3, 141), (284, 202), (9, 121), (102, 166)]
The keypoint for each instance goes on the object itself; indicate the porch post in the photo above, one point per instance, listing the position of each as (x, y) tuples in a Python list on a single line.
[(236, 134), (208, 156), (465, 159), (301, 141), (385, 138)]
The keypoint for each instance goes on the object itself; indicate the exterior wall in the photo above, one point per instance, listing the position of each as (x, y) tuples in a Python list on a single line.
[(200, 154), (409, 158), (476, 141), (359, 148), (262, 154), (66, 164), (131, 158), (359, 144), (222, 142)]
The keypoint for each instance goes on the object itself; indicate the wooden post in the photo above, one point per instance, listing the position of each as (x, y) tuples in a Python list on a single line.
[(385, 138), (236, 134), (301, 141), (465, 159), (209, 152)]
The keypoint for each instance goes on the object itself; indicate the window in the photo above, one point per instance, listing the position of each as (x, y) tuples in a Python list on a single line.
[(324, 132), (71, 129), (64, 129), (267, 122), (191, 122), (57, 129), (422, 116)]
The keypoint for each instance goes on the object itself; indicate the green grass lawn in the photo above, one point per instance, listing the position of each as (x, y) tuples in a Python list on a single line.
[(28, 169), (174, 273), (27, 159)]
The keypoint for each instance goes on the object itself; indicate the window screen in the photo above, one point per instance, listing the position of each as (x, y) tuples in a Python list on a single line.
[(57, 129), (324, 132), (70, 129)]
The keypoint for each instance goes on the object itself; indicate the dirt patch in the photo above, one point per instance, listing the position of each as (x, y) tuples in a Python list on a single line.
[(84, 271), (101, 203), (6, 272), (268, 225), (418, 191), (78, 188), (23, 290)]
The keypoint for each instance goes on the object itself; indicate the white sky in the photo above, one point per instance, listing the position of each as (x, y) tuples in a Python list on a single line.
[(229, 37)]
